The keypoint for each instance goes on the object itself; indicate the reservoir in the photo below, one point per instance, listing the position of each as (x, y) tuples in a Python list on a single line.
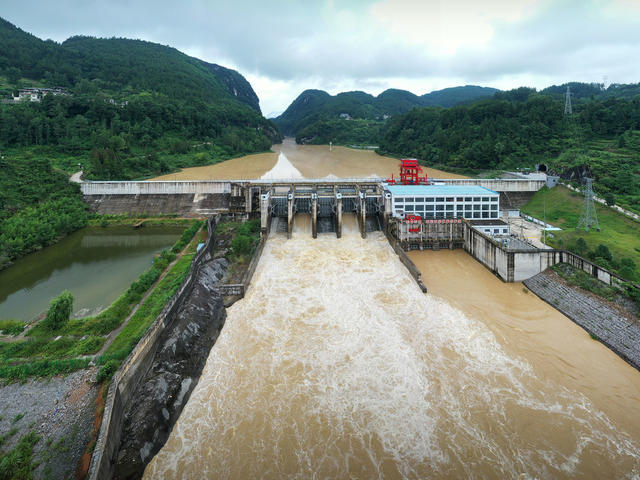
[(96, 264), (289, 160), (336, 365)]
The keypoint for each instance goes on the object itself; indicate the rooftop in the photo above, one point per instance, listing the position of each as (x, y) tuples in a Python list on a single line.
[(423, 190), (493, 222)]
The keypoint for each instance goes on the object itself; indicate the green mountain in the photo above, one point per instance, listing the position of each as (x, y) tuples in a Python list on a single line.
[(317, 117), (132, 106), (128, 109), (522, 127)]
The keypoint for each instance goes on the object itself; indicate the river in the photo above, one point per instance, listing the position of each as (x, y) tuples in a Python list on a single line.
[(335, 365), (306, 161), (95, 264)]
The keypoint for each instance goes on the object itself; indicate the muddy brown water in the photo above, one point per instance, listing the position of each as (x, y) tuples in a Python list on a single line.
[(335, 365), (308, 161)]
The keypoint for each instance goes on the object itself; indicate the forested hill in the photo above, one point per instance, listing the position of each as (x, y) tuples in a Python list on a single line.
[(132, 107), (313, 106), (118, 64), (522, 127), (127, 109)]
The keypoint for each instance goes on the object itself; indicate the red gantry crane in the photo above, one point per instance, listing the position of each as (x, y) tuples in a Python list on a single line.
[(409, 173)]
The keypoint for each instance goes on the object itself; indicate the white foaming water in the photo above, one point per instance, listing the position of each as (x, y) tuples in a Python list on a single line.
[(282, 169), (335, 365)]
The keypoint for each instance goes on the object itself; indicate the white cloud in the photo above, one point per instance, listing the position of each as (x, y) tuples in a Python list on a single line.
[(421, 45)]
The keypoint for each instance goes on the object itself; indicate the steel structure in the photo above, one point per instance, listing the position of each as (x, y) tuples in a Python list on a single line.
[(589, 217), (409, 173), (568, 110)]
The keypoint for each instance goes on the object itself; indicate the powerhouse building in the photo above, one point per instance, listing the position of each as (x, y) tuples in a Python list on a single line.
[(444, 201)]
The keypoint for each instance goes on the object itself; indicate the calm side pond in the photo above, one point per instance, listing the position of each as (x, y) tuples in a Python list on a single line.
[(95, 264)]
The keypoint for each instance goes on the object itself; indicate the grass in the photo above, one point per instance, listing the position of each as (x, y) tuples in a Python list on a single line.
[(149, 220), (563, 209), (11, 327), (151, 308), (18, 464)]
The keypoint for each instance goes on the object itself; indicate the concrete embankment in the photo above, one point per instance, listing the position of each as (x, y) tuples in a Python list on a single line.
[(195, 309), (182, 350), (615, 327)]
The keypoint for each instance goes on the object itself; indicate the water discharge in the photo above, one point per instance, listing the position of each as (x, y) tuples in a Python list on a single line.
[(335, 365)]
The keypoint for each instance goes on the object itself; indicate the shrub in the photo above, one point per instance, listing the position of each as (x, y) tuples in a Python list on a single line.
[(241, 244), (580, 247), (59, 311), (610, 199), (603, 252), (107, 370)]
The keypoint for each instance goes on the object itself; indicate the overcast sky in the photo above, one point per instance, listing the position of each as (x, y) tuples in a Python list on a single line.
[(284, 47)]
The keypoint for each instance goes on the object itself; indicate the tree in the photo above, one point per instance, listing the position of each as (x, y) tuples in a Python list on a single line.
[(603, 251), (581, 247), (610, 198), (59, 311)]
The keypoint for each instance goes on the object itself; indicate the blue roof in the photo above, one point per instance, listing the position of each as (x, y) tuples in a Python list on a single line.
[(424, 190)]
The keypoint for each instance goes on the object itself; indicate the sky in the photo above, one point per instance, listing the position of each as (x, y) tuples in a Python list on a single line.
[(286, 46)]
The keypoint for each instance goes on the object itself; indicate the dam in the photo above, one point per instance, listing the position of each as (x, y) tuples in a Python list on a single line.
[(336, 365)]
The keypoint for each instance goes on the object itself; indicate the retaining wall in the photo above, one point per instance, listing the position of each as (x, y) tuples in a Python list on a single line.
[(134, 369), (187, 204), (518, 265)]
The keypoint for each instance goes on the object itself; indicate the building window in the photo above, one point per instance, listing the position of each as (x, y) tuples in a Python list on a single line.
[(504, 230), (494, 207), (439, 208), (459, 199), (409, 208), (449, 208), (476, 199), (476, 207), (494, 199), (449, 199), (419, 199), (485, 214), (399, 200), (429, 208), (440, 199), (494, 214), (429, 199), (408, 199), (476, 214), (420, 208), (485, 206), (485, 199), (496, 230)]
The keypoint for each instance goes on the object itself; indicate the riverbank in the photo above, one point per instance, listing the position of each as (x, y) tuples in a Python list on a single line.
[(610, 321), (156, 380), (47, 424)]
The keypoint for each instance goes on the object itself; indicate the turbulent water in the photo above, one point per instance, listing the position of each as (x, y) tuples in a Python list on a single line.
[(335, 365)]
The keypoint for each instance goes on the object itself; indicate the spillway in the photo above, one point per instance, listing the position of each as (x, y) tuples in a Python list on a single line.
[(336, 365)]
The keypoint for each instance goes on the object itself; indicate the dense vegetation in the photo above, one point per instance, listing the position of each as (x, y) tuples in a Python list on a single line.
[(616, 247), (315, 115), (131, 104), (522, 127), (37, 206), (132, 109)]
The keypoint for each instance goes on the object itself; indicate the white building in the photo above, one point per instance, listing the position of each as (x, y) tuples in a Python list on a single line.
[(494, 227), (444, 201)]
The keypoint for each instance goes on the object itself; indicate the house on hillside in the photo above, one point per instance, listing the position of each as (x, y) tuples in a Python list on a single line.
[(36, 94)]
